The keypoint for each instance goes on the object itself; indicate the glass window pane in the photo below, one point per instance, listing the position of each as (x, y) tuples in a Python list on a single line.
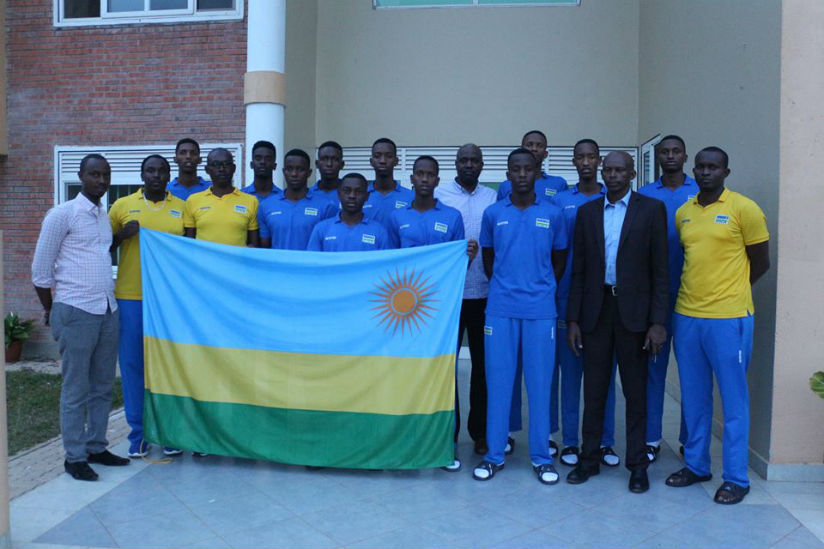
[(125, 5), (81, 8), (215, 5), (72, 190), (168, 4), (119, 191)]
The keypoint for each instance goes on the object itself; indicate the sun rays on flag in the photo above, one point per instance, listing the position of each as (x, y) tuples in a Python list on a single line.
[(403, 302)]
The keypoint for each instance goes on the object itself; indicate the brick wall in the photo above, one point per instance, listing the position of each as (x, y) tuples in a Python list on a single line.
[(112, 85)]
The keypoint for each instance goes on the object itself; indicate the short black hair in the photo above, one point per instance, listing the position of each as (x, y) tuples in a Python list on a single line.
[(585, 141), (300, 153), (516, 152), (187, 140), (334, 144), (92, 156), (358, 176), (380, 140), (221, 149), (266, 145), (674, 138), (151, 156), (718, 150), (539, 132), (429, 158)]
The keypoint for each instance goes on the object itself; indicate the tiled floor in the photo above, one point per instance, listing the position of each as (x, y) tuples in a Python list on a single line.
[(225, 502)]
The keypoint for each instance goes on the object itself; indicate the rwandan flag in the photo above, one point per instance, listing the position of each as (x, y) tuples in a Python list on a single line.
[(327, 359)]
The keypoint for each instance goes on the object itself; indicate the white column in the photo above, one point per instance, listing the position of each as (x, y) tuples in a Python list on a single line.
[(264, 83)]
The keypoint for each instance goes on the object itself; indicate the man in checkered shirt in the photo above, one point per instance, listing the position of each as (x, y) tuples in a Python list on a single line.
[(72, 260)]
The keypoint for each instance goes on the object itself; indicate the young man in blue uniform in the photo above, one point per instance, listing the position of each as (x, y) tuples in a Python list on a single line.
[(263, 165), (286, 221), (673, 188), (350, 230), (385, 193), (586, 157), (726, 250), (524, 242), (427, 221), (187, 158), (329, 164), (546, 186)]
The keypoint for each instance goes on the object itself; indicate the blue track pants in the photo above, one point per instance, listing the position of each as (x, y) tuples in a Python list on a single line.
[(505, 339), (130, 355), (720, 346)]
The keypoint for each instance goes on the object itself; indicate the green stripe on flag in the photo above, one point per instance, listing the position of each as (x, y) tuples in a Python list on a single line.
[(305, 437)]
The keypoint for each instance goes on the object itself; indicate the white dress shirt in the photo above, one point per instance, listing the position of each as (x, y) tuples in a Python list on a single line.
[(472, 206), (72, 256)]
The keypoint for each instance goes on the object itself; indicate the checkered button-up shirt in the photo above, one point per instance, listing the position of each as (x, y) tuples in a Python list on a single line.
[(72, 256), (472, 206)]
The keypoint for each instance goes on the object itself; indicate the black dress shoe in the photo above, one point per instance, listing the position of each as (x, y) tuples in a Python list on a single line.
[(80, 470), (109, 459), (580, 476), (638, 481), (480, 447)]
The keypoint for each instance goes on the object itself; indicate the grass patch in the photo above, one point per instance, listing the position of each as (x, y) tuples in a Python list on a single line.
[(33, 401)]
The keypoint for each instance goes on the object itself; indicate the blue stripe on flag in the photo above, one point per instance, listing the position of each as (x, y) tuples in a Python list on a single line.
[(382, 303)]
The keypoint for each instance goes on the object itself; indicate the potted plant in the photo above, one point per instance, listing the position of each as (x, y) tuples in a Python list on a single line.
[(17, 331), (817, 383)]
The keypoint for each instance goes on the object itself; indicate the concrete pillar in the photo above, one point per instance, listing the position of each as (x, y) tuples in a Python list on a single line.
[(797, 431), (264, 91), (5, 534)]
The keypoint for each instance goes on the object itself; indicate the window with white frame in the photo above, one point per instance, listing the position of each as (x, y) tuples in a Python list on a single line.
[(125, 164), (558, 162), (648, 171), (378, 4), (117, 12)]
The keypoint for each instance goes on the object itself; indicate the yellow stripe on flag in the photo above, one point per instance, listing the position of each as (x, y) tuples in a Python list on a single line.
[(299, 381)]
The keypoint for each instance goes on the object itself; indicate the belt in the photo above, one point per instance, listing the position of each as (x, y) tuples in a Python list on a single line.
[(612, 290)]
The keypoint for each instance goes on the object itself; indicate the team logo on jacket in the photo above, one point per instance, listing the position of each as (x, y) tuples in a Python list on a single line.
[(399, 204), (134, 211), (310, 211), (550, 192), (488, 330), (722, 219), (240, 208), (333, 237), (175, 213), (368, 238), (499, 223), (541, 222), (441, 227)]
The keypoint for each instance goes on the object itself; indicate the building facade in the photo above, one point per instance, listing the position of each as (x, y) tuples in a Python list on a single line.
[(726, 73)]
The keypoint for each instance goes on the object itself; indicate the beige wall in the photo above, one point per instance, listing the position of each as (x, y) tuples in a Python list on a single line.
[(447, 76), (301, 55), (709, 71), (798, 429)]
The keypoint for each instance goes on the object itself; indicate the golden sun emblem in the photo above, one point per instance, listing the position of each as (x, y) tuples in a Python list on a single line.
[(403, 301)]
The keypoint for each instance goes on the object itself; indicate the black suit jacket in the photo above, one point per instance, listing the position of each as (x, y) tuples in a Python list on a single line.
[(641, 265)]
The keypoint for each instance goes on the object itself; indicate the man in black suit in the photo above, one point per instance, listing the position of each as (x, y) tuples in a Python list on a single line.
[(617, 307)]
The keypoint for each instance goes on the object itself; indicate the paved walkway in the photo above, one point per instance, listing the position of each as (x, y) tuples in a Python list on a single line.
[(226, 502), (36, 466)]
